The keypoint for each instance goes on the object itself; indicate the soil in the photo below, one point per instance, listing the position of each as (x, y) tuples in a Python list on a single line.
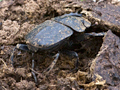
[(19, 17)]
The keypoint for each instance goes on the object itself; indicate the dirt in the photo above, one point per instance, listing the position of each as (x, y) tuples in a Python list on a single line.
[(19, 17)]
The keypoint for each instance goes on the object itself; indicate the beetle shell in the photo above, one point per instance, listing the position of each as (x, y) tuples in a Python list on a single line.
[(48, 36), (55, 33), (78, 24)]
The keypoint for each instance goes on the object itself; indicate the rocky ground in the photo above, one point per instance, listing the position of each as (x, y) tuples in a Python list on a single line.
[(99, 65)]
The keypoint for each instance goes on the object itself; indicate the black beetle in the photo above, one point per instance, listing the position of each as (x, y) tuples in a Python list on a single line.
[(54, 34)]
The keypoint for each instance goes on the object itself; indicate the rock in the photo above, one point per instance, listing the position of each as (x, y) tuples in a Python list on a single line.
[(107, 62)]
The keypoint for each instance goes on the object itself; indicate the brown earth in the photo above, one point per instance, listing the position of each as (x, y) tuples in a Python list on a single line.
[(18, 17)]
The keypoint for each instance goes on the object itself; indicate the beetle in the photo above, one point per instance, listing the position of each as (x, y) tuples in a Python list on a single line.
[(55, 35)]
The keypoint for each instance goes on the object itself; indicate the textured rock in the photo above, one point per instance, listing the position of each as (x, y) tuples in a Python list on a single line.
[(107, 62)]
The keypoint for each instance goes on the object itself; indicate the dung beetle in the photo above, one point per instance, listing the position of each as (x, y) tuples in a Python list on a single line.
[(55, 35)]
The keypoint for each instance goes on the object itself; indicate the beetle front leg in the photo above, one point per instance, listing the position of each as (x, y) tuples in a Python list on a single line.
[(52, 64), (96, 34), (18, 46)]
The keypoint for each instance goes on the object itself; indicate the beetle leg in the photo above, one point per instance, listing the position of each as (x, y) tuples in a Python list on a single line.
[(22, 47), (52, 64), (35, 78), (18, 46), (12, 55), (95, 34)]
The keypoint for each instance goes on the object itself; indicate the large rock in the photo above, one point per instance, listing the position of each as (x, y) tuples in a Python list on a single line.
[(107, 62)]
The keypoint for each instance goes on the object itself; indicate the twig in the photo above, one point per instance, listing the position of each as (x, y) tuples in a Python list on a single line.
[(3, 62)]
